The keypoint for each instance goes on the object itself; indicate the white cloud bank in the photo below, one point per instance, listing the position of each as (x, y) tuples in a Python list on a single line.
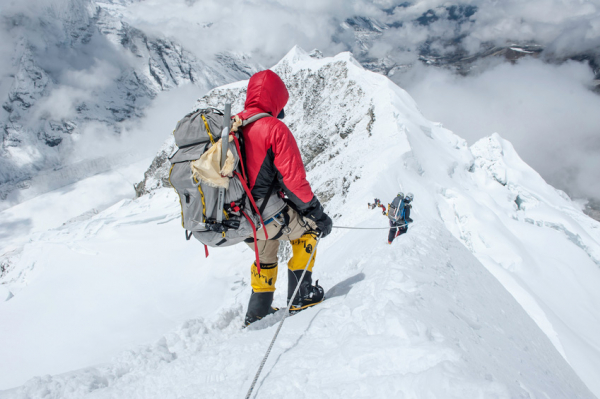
[(546, 111)]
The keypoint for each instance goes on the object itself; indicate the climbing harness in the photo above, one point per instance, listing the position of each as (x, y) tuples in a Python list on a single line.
[(285, 315)]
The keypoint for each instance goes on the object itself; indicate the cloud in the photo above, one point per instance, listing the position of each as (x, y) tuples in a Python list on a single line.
[(267, 29), (60, 103), (101, 74), (148, 134), (547, 111), (75, 86), (563, 28), (142, 137)]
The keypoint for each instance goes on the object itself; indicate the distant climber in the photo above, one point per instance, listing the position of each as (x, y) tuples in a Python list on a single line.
[(290, 210), (399, 215), (377, 203)]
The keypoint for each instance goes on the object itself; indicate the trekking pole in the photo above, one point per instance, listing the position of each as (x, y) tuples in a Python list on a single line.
[(285, 315), (224, 145)]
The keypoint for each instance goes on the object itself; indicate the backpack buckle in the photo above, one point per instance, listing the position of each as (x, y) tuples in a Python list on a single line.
[(234, 208), (223, 226), (277, 220)]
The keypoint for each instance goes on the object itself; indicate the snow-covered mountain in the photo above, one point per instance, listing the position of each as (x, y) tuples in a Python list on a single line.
[(491, 293), (76, 67)]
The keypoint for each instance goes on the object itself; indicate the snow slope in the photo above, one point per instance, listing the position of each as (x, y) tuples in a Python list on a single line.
[(423, 317), (69, 204)]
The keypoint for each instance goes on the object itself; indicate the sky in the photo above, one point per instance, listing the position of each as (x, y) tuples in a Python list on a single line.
[(546, 110)]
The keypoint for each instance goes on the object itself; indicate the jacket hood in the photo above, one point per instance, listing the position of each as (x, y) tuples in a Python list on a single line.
[(266, 93)]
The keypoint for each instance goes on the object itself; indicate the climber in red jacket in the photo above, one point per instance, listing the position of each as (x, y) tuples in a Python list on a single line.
[(276, 175)]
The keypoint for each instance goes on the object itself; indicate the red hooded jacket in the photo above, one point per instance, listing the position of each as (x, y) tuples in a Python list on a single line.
[(271, 151)]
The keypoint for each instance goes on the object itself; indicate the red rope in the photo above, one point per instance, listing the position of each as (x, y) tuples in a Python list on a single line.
[(244, 181), (247, 190), (237, 146), (255, 241)]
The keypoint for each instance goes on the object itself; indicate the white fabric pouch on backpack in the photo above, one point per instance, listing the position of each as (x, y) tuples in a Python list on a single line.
[(208, 170)]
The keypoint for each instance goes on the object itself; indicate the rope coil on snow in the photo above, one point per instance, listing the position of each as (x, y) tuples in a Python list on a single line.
[(285, 315)]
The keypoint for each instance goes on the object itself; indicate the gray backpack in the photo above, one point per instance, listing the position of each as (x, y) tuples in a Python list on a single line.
[(395, 209), (196, 134)]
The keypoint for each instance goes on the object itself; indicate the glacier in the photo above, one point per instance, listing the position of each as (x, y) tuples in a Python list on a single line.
[(491, 293)]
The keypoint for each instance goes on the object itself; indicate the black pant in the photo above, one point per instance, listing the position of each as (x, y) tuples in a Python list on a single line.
[(396, 229)]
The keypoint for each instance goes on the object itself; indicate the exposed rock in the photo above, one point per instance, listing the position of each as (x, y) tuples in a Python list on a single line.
[(592, 209), (157, 175)]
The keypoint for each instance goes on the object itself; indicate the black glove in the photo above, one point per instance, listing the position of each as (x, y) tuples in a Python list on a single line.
[(318, 215), (324, 225)]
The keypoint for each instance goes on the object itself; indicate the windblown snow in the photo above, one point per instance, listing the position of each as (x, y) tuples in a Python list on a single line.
[(492, 293)]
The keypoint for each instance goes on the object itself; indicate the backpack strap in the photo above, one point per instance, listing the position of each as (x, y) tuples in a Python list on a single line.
[(247, 190), (239, 151), (271, 187), (254, 118)]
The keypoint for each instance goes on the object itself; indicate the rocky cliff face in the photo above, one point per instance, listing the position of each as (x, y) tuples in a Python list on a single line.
[(76, 64)]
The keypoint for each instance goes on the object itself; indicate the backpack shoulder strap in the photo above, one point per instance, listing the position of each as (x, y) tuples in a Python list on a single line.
[(400, 211), (254, 118)]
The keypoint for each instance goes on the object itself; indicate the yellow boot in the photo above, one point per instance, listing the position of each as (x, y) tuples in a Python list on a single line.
[(308, 294)]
